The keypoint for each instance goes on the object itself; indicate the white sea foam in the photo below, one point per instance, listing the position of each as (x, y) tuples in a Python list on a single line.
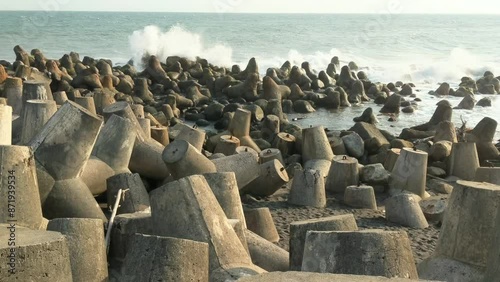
[(177, 41), (423, 69)]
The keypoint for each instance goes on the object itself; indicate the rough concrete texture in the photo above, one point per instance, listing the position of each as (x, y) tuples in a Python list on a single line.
[(293, 276), (244, 165), (124, 229), (298, 232), (370, 252), (86, 245), (405, 210), (154, 258), (360, 197), (265, 254), (40, 256), (191, 200), (261, 223)]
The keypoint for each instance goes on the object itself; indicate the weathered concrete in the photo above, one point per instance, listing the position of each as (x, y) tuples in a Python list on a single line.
[(409, 172), (13, 91), (227, 145), (467, 234), (115, 143), (19, 187), (463, 161), (261, 222), (315, 144), (94, 175), (225, 189), (191, 200), (323, 166), (183, 159), (192, 135), (362, 196), (343, 173), (5, 125), (369, 252), (308, 189), (265, 254), (40, 256), (124, 229), (36, 114), (86, 246), (488, 174), (405, 210), (244, 165), (298, 232), (155, 258), (293, 276), (272, 176), (135, 198)]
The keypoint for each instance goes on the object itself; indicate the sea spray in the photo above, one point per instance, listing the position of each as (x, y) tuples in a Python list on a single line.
[(177, 41)]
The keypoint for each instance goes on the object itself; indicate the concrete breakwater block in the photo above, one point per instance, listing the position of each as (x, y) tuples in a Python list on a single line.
[(463, 161), (467, 234), (135, 198), (193, 135), (405, 210), (488, 174), (323, 166), (94, 175), (61, 152), (87, 250), (227, 145), (19, 187), (124, 229), (362, 196), (315, 144), (299, 229), (343, 173), (368, 252), (190, 199), (36, 113), (146, 158), (225, 189), (156, 258), (5, 125), (115, 143), (13, 91), (244, 165), (272, 176), (308, 189), (266, 254), (260, 221), (183, 159), (40, 255), (294, 276), (409, 172)]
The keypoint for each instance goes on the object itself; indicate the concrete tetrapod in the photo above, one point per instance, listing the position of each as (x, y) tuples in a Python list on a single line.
[(266, 254), (299, 229), (343, 173), (308, 189), (227, 145), (155, 258), (87, 250), (362, 196), (405, 210), (467, 233), (36, 114), (160, 134), (270, 154), (315, 144), (272, 177), (146, 158), (94, 175), (260, 221), (61, 151), (135, 197), (13, 91), (244, 165), (225, 189), (19, 196), (368, 252), (409, 172), (87, 103), (488, 174), (463, 161), (323, 166), (183, 159), (191, 200), (115, 143), (40, 255), (192, 135), (5, 125), (294, 276)]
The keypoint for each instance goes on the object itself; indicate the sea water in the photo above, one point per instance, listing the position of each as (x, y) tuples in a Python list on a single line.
[(423, 49)]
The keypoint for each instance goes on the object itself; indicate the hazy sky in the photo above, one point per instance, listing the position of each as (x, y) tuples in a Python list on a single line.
[(262, 6)]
